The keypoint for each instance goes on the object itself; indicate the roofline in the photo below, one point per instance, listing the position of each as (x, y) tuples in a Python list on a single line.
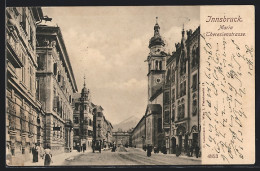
[(139, 122), (66, 56)]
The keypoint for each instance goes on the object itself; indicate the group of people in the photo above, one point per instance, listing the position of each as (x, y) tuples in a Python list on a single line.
[(191, 150), (96, 146), (45, 154)]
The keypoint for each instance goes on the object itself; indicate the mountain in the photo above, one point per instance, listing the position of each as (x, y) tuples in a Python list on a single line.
[(126, 124)]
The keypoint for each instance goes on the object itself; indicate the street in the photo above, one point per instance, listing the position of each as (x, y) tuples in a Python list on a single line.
[(130, 157)]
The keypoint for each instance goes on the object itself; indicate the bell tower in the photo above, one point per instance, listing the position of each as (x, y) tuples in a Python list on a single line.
[(156, 62)]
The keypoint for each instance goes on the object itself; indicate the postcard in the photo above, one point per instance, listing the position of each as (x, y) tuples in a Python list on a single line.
[(130, 85)]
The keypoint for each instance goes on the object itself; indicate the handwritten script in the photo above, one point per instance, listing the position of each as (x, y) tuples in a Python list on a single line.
[(229, 64)]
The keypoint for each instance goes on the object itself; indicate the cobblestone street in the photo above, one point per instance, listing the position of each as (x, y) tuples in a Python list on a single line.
[(131, 157)]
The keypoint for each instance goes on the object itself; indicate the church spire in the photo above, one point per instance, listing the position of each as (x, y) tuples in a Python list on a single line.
[(84, 81), (156, 28)]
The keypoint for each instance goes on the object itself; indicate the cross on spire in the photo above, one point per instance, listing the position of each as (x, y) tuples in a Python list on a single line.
[(156, 20), (84, 81)]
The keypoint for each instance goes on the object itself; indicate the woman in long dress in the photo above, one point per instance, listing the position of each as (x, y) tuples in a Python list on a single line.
[(48, 156)]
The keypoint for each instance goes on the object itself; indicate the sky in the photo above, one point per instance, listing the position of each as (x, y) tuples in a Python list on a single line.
[(109, 46)]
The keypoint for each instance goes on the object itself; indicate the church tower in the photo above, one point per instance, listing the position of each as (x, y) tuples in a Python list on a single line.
[(85, 114), (156, 63)]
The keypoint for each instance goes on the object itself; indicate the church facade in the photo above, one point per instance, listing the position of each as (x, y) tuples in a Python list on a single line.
[(171, 119)]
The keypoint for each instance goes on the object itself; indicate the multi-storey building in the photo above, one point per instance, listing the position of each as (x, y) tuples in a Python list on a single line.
[(83, 120), (102, 128), (180, 113), (24, 117), (138, 134), (55, 87)]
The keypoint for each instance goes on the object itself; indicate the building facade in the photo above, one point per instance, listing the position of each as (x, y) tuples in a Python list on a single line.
[(102, 128), (24, 116), (156, 75), (181, 90), (55, 86), (83, 120), (138, 135)]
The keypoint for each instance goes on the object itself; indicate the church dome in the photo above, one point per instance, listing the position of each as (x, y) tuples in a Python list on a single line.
[(156, 39), (84, 90)]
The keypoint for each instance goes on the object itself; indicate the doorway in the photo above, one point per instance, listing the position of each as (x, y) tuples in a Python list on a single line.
[(173, 145)]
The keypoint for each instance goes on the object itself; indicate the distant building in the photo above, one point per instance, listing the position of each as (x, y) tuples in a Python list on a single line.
[(55, 86), (138, 134), (102, 128), (24, 116), (83, 120), (122, 138)]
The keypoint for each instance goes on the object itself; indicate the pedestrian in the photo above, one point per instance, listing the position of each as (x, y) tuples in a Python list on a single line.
[(93, 146), (84, 148), (177, 151), (35, 153), (191, 150), (48, 156), (100, 147), (197, 150)]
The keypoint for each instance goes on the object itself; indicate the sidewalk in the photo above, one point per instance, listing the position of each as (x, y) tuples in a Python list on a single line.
[(180, 156), (57, 159)]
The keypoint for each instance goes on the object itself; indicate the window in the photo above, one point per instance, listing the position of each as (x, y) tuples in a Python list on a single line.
[(156, 65), (173, 95), (59, 77), (194, 107), (55, 68), (23, 68), (183, 89), (194, 82), (173, 75), (24, 20), (173, 114), (160, 65), (183, 65), (38, 89), (76, 132), (76, 120), (181, 111), (166, 98), (166, 116), (31, 81), (195, 56), (76, 106), (160, 125), (168, 75)]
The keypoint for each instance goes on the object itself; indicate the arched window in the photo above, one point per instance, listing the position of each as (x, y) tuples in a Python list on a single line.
[(156, 65), (194, 56), (160, 65), (183, 65)]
